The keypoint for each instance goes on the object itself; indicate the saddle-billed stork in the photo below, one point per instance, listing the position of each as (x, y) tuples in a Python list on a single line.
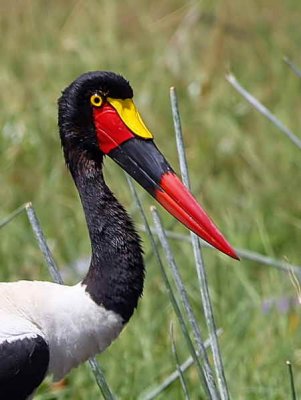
[(51, 328)]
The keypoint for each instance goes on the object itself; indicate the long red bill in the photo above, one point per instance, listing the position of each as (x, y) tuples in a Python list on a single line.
[(144, 162), (140, 157), (177, 199)]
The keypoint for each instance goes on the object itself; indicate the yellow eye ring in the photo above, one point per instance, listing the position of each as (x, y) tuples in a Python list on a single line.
[(96, 100)]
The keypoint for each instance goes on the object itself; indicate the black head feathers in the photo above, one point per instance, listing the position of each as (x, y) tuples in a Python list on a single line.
[(75, 120)]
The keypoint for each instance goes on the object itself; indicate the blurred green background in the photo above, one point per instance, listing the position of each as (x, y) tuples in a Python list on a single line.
[(245, 173)]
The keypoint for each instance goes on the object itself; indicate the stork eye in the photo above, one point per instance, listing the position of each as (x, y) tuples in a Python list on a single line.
[(96, 100)]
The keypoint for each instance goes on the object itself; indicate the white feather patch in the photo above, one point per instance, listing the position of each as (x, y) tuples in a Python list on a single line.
[(73, 325), (15, 328)]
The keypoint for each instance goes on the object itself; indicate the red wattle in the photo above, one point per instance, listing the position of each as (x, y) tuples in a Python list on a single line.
[(111, 131)]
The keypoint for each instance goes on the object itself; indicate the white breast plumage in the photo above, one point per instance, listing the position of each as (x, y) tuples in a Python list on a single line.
[(73, 325)]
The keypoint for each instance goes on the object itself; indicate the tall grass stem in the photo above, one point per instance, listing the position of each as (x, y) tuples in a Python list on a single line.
[(39, 235), (292, 66), (169, 289), (263, 110), (242, 253), (201, 273), (12, 215), (56, 276), (184, 297), (153, 393), (175, 353), (292, 381)]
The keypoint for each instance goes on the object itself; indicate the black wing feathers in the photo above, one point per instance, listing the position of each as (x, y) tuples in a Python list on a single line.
[(23, 365)]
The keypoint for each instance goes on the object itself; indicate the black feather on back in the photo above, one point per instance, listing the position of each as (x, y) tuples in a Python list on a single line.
[(23, 365)]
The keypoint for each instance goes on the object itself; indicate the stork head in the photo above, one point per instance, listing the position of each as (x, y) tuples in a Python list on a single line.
[(97, 117)]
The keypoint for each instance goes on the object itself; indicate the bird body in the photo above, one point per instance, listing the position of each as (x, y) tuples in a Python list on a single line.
[(73, 326), (46, 327)]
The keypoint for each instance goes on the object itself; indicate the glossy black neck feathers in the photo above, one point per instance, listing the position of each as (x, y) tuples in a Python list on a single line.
[(116, 274)]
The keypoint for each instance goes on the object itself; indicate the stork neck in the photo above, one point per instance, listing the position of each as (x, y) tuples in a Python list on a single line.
[(116, 274)]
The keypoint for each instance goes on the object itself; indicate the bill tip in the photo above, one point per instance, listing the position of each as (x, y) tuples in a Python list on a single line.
[(234, 255)]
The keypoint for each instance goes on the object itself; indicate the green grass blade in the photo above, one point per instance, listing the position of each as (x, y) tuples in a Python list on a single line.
[(272, 262), (242, 253), (292, 381), (263, 110), (293, 67), (56, 276), (12, 215), (39, 235), (171, 295), (199, 263), (154, 392), (184, 297), (100, 379), (181, 375)]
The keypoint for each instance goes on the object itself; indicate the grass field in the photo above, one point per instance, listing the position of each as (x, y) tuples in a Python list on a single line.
[(244, 171)]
